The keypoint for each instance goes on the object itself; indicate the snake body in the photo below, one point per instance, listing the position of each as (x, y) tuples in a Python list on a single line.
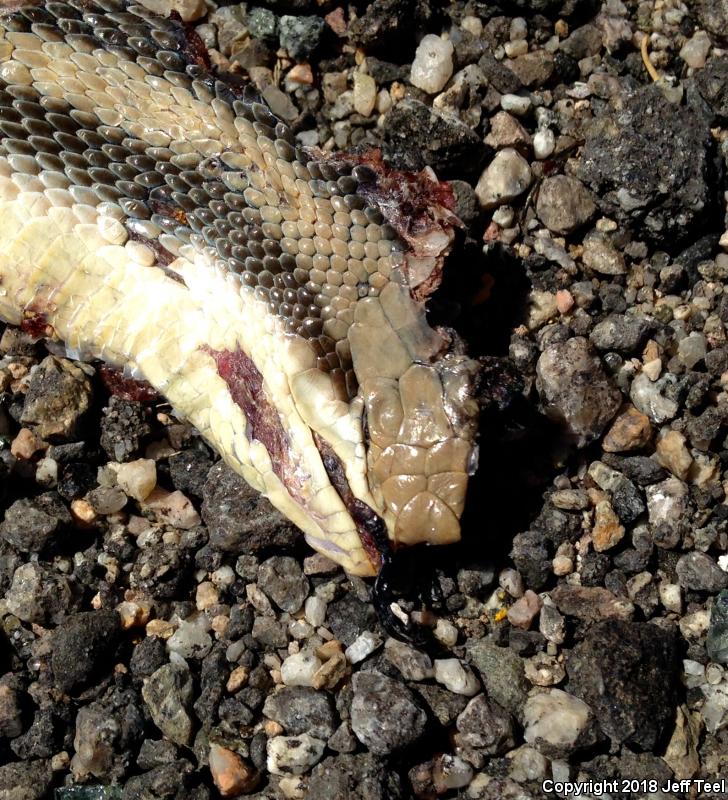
[(161, 219)]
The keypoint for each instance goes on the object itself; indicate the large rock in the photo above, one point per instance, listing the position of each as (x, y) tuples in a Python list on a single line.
[(628, 673), (651, 166)]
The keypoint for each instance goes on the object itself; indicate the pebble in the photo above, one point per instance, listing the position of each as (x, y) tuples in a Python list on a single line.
[(365, 93), (516, 104), (506, 177), (136, 478), (191, 639), (564, 204), (607, 530), (11, 712), (294, 754), (630, 430), (544, 670), (299, 669), (652, 398), (189, 10), (507, 131), (600, 255), (557, 723), (231, 774), (667, 502), (501, 671), (695, 51), (32, 524), (628, 673), (384, 714), (413, 664), (485, 726), (362, 647), (671, 452), (456, 676), (301, 709), (692, 349), (523, 612), (172, 508), (576, 389), (699, 572), (300, 36), (283, 581), (544, 144), (716, 642), (433, 64), (315, 610), (82, 646), (168, 694)]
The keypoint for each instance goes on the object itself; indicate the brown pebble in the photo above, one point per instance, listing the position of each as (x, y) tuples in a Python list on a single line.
[(522, 613), (231, 774), (631, 430), (26, 444), (607, 530), (331, 673)]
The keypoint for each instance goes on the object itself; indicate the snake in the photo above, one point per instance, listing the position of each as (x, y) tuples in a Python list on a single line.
[(155, 215)]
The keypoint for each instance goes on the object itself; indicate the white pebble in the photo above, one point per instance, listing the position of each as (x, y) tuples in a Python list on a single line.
[(293, 754), (695, 51), (515, 103), (299, 669), (506, 177), (517, 48), (364, 645), (519, 29), (315, 611), (456, 676), (432, 66), (544, 143)]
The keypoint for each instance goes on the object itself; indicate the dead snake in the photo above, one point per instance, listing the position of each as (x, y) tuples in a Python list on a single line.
[(161, 219)]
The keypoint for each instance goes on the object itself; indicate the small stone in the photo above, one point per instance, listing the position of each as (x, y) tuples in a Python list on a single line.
[(564, 301), (413, 664), (282, 579), (32, 524), (511, 581), (522, 613), (671, 597), (365, 93), (58, 397), (331, 672), (507, 131), (502, 673), (299, 669), (362, 647), (293, 754), (671, 452), (699, 572), (189, 10), (516, 104), (576, 389), (630, 430), (692, 349), (456, 676), (602, 256), (11, 713), (446, 633), (544, 144), (192, 638), (82, 645), (231, 774), (624, 333), (137, 478), (544, 670), (301, 709), (652, 399), (26, 780), (300, 36), (695, 51), (168, 693), (107, 500), (607, 531), (432, 65), (485, 726), (571, 499), (506, 177), (315, 611), (533, 69), (667, 502), (384, 714), (26, 444), (557, 723), (38, 595), (206, 596), (716, 642), (172, 508), (590, 603), (564, 204)]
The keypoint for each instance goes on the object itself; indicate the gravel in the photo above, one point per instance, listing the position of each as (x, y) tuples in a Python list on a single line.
[(168, 634)]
